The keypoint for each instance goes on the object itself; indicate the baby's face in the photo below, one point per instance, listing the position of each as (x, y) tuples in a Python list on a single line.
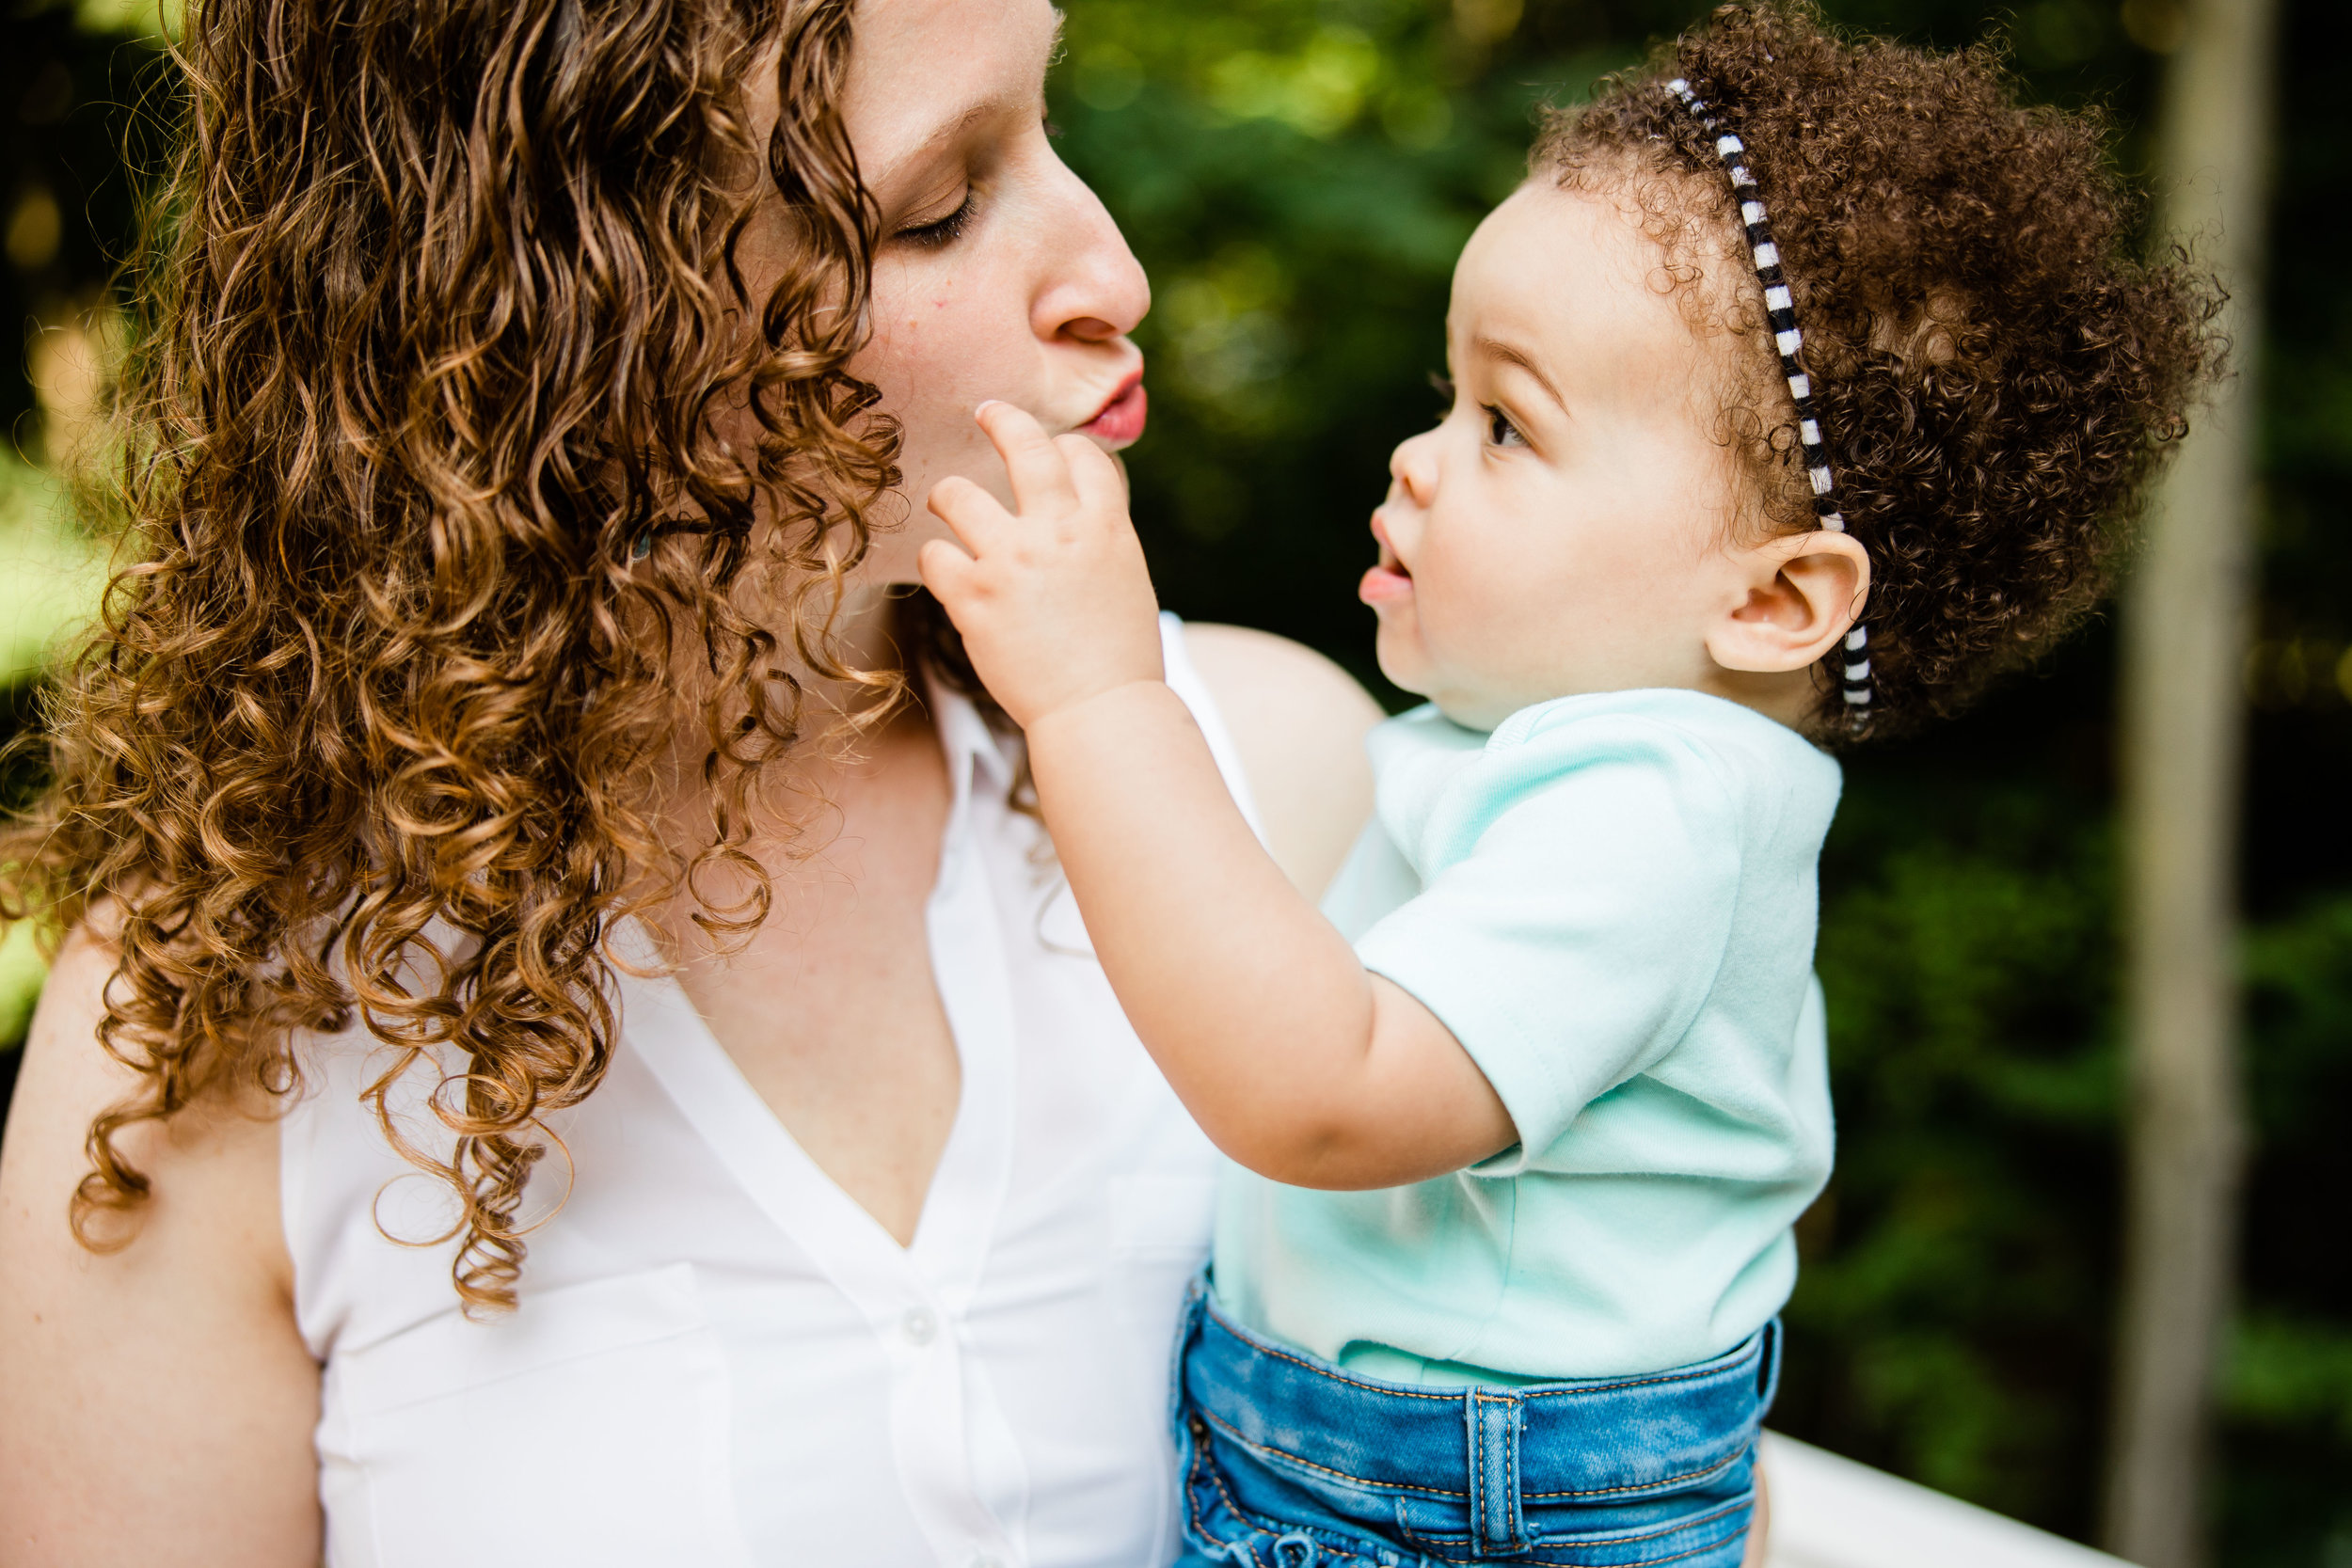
[(1564, 529)]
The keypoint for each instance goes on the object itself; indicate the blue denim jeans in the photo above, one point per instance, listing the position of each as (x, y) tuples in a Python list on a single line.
[(1289, 1461)]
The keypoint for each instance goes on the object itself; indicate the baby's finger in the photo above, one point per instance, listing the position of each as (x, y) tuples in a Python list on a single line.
[(1095, 473), (978, 518), (1041, 474), (947, 571)]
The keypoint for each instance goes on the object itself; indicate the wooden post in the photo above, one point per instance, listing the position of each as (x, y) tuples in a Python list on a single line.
[(2185, 626)]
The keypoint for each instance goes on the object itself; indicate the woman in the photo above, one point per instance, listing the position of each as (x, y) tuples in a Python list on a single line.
[(572, 1051)]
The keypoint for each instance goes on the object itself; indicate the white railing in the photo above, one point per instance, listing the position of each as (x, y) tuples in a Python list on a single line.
[(1832, 1512)]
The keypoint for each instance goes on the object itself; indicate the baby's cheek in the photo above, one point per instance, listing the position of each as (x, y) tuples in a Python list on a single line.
[(1491, 618)]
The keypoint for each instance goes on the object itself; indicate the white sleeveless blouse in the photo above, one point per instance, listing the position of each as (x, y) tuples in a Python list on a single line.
[(720, 1359)]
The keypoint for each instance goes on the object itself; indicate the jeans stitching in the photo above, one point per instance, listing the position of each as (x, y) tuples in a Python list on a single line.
[(1349, 1382), (1541, 1393), (1511, 1464), (1247, 1442), (1484, 1529), (1278, 1353), (1230, 1431), (1201, 1457), (1676, 1556), (1478, 1499), (1202, 1461), (1716, 1469), (1644, 1562), (1259, 1523), (1620, 1538)]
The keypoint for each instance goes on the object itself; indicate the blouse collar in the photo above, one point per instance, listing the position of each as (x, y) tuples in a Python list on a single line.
[(974, 748)]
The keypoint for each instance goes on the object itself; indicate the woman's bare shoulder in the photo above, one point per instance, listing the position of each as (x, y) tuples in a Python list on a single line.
[(1298, 721), (183, 1333)]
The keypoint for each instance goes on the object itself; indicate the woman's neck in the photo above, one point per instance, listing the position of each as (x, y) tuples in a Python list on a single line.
[(855, 721)]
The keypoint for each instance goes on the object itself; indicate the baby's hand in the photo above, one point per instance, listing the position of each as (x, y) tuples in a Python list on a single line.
[(1055, 605)]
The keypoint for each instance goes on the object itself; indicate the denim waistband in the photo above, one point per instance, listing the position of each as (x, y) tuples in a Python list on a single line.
[(1493, 1448)]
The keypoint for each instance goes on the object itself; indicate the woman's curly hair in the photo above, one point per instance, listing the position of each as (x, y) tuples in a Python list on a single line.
[(433, 458), (1995, 370)]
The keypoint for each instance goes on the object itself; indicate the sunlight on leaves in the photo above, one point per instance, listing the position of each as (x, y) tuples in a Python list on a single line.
[(156, 20), (50, 576), (22, 972)]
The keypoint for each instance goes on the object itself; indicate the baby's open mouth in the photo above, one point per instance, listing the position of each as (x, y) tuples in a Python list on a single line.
[(1390, 580)]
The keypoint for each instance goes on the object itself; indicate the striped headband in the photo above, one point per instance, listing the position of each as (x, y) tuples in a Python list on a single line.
[(1781, 310)]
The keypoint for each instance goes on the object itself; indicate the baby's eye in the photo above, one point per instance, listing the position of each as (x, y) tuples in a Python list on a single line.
[(1501, 431)]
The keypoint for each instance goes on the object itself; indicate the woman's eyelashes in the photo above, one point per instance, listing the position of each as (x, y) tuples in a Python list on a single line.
[(941, 232), (1500, 432)]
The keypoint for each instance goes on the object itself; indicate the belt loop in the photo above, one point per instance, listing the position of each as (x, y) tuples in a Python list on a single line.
[(1497, 1417), (1188, 1324)]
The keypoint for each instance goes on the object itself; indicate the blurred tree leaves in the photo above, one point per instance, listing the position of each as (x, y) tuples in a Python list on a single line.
[(1952, 1322)]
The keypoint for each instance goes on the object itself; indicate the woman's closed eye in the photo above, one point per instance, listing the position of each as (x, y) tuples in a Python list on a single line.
[(1500, 432), (942, 232)]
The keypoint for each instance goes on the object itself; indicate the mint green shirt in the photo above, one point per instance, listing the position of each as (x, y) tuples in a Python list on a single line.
[(1610, 902)]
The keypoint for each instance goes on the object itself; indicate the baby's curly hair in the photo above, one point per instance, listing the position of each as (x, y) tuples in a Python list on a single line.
[(1997, 371)]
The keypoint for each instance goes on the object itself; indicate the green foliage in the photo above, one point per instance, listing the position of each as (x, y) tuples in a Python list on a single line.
[(22, 972), (50, 579), (2287, 1371), (2298, 974), (50, 575), (146, 20), (1949, 1320)]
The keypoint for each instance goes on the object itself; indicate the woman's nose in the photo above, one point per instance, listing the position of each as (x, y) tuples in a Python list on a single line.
[(1413, 466), (1095, 290)]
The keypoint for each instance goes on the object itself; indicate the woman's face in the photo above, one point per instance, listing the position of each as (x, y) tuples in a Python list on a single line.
[(999, 274)]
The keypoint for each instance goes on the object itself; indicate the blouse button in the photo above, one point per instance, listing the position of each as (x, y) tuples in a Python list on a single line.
[(919, 1327)]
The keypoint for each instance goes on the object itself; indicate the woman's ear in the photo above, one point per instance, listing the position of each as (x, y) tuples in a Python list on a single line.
[(1801, 593)]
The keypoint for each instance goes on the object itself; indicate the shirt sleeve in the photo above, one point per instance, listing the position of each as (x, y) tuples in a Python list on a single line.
[(1577, 907)]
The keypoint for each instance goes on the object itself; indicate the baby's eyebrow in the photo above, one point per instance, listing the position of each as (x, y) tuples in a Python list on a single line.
[(1494, 348)]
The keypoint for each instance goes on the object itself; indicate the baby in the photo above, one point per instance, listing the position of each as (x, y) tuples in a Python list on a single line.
[(1806, 384)]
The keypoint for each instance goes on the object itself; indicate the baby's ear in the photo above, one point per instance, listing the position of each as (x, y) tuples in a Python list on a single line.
[(1793, 598)]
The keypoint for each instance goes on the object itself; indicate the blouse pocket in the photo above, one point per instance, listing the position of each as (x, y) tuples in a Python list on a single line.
[(1160, 1228), (1163, 1219), (588, 1428)]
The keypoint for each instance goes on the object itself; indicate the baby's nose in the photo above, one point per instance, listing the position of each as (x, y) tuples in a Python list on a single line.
[(1414, 466)]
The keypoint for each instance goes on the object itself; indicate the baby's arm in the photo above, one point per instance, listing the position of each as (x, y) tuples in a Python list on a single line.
[(1294, 1060)]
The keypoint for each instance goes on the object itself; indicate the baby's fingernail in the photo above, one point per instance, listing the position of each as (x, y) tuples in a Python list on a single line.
[(984, 407)]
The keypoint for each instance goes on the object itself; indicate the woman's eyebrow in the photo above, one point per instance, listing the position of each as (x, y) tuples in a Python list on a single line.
[(946, 135), (1494, 348), (985, 109)]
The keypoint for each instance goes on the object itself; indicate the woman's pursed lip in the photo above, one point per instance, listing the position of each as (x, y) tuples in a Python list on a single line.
[(1122, 417), (1127, 384)]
